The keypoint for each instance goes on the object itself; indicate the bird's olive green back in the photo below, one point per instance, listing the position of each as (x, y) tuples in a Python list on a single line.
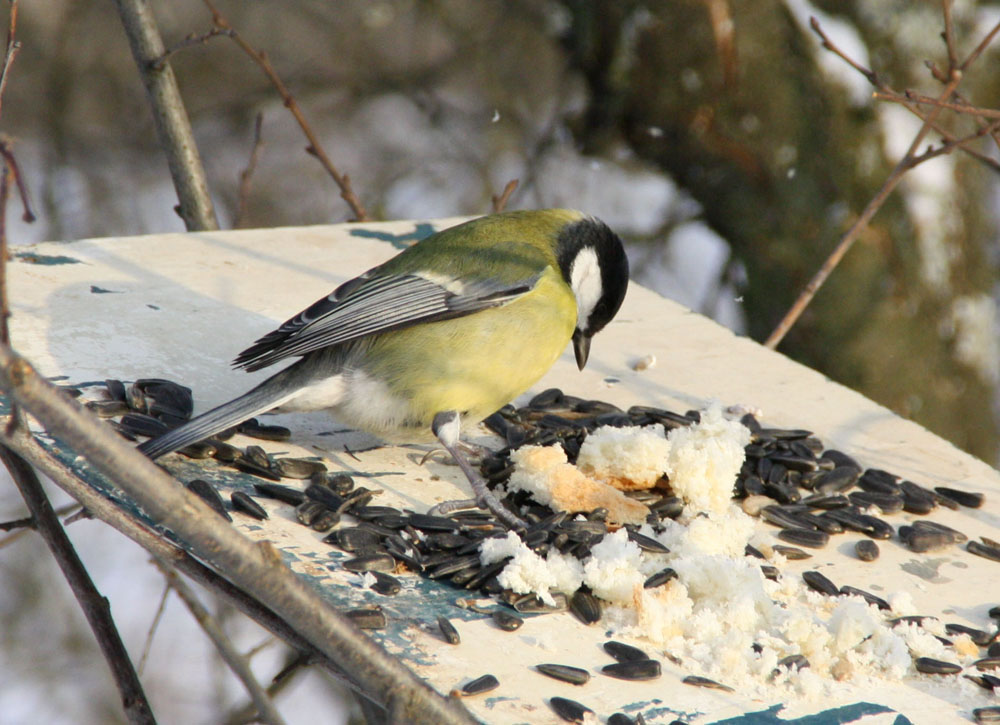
[(512, 247)]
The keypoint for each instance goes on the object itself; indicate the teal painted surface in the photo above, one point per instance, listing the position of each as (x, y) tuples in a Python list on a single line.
[(399, 241), (834, 716), (48, 259)]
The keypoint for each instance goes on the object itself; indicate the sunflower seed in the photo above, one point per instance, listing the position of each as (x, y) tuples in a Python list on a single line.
[(922, 540), (917, 499), (223, 451), (930, 666), (367, 617), (199, 450), (770, 572), (143, 425), (986, 714), (956, 535), (448, 630), (425, 522), (116, 389), (987, 663), (794, 462), (325, 520), (792, 662), (455, 565), (480, 685), (633, 670), (805, 537), (624, 652), (866, 550), (876, 527), (207, 493), (565, 673), (247, 466), (506, 621), (987, 682), (107, 408), (978, 636), (820, 583), (569, 710), (255, 429), (838, 480), (530, 603), (370, 562), (298, 467), (353, 539), (647, 543), (385, 584), (969, 499), (791, 553), (585, 606), (839, 458), (285, 494), (699, 681), (887, 503), (849, 591), (245, 504), (620, 718), (660, 578)]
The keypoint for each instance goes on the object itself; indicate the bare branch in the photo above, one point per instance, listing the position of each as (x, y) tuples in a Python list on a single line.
[(978, 50), (172, 123), (949, 35), (192, 39), (962, 108), (13, 46), (153, 626), (253, 567), (500, 201), (247, 174), (266, 712), (343, 181), (95, 607), (909, 160)]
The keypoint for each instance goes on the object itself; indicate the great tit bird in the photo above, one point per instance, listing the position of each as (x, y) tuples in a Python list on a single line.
[(448, 331)]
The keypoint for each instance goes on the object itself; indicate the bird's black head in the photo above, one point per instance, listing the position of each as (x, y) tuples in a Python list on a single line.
[(594, 265)]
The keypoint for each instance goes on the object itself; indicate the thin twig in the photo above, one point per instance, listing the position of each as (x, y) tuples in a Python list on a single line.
[(243, 200), (285, 676), (266, 712), (15, 169), (978, 50), (962, 108), (876, 81), (10, 52), (908, 161), (192, 39), (95, 607), (343, 181), (253, 567), (949, 34), (500, 200), (153, 626), (942, 77), (172, 124), (126, 524)]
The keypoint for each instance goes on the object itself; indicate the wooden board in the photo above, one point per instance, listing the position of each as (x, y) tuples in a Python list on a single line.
[(181, 306)]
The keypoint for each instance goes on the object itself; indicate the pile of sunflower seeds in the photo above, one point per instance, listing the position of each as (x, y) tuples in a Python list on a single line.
[(789, 479)]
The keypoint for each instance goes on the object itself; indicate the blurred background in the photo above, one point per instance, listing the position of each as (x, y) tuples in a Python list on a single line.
[(716, 136)]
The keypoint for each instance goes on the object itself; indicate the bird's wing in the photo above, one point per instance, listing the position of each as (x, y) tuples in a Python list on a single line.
[(375, 303)]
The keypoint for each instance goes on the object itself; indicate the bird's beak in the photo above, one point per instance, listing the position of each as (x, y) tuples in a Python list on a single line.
[(581, 347)]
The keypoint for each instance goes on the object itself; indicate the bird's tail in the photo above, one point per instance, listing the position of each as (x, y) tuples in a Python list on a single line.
[(269, 394)]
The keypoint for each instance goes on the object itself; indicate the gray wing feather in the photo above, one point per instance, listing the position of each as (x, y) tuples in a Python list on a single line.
[(373, 304)]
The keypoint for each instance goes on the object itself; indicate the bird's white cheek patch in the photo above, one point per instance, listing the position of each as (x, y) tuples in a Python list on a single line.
[(585, 280)]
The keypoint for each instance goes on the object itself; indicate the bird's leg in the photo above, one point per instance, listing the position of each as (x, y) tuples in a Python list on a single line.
[(446, 427)]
